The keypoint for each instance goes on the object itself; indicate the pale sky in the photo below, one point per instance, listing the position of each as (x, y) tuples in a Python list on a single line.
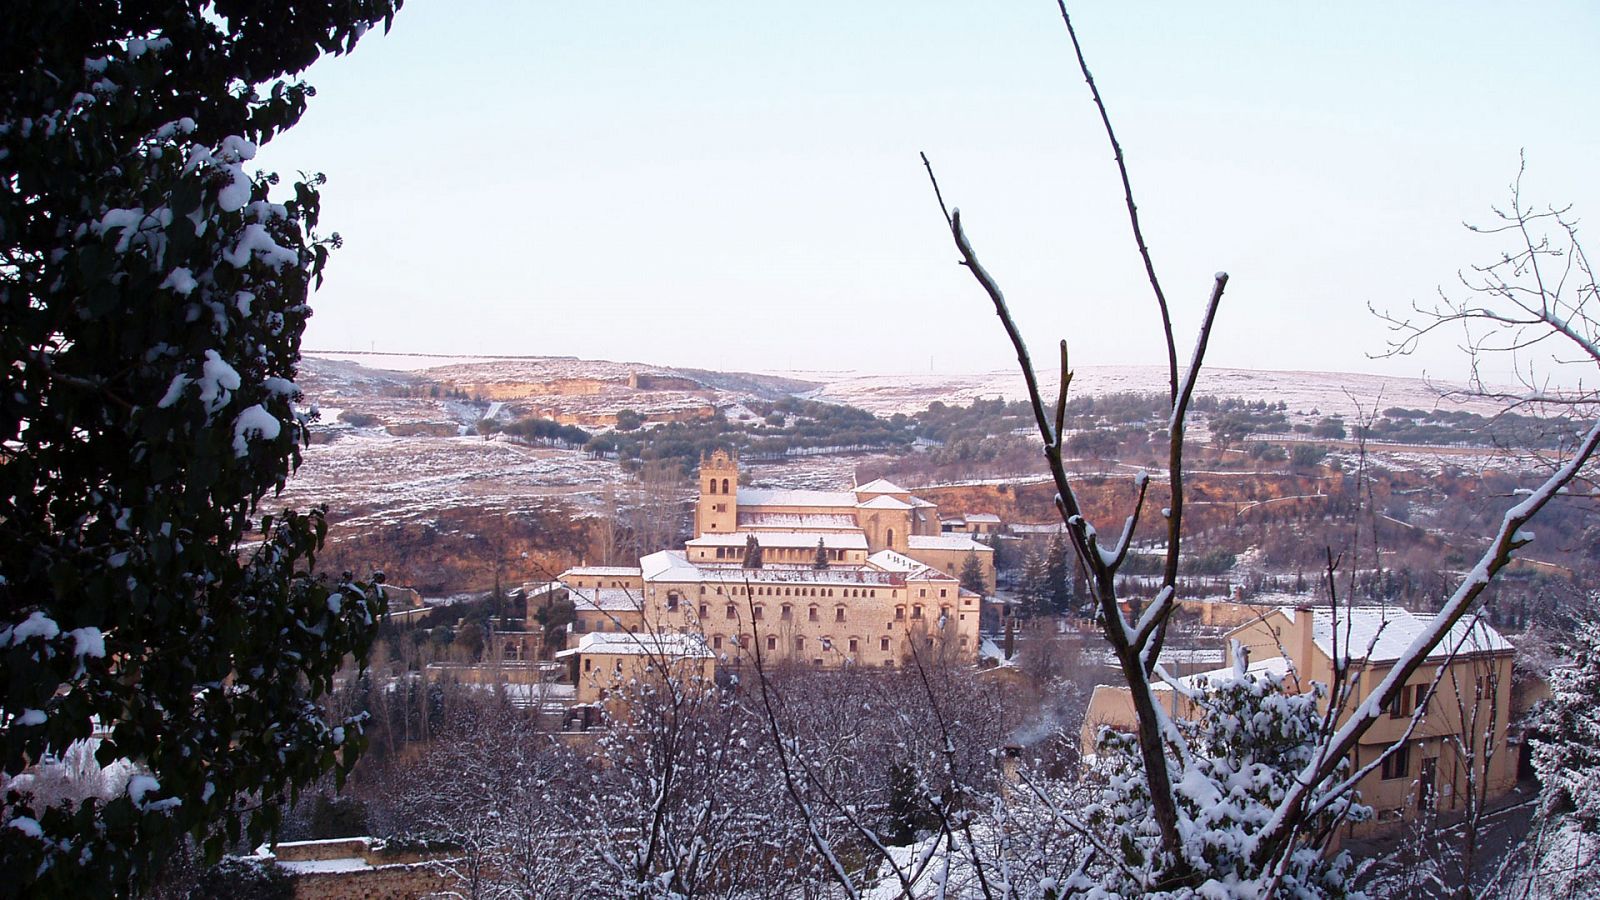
[(735, 185)]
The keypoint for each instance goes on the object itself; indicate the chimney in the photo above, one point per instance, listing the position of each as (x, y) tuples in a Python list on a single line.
[(1303, 646)]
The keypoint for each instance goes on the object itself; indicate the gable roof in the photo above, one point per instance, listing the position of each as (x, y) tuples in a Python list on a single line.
[(788, 497), (883, 501), (946, 542), (1380, 634), (881, 486)]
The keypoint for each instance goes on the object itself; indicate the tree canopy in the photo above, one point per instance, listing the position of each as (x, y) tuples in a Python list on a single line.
[(152, 297)]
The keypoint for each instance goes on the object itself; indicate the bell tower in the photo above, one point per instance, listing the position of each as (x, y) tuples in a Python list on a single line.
[(717, 511)]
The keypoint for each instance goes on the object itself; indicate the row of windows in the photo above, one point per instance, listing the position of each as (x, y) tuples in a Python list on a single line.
[(718, 642), (711, 486), (773, 591)]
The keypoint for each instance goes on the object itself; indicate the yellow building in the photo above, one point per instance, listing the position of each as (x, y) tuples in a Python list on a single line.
[(601, 663), (861, 577), (1460, 739)]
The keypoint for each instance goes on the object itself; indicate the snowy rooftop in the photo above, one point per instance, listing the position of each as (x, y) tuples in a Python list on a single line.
[(1382, 634), (890, 561), (881, 486), (884, 501), (946, 542), (677, 646), (605, 599), (991, 518), (670, 566), (1048, 528), (786, 497), (832, 540), (798, 521), (601, 571), (920, 503), (1276, 666)]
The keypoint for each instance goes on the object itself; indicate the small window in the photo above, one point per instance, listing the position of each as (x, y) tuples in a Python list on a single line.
[(811, 615), (716, 642), (799, 644), (772, 642), (1398, 763), (705, 611), (588, 664), (883, 644), (855, 645), (788, 612), (916, 611), (838, 614), (1399, 708), (724, 485), (943, 592), (1419, 699), (756, 613), (672, 601), (899, 612)]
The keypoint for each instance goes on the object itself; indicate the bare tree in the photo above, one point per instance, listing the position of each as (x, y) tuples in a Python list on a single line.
[(1518, 304)]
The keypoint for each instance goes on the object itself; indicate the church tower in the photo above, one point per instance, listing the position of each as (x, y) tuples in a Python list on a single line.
[(717, 511)]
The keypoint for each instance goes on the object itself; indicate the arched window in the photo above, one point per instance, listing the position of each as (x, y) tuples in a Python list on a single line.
[(713, 486), (724, 485), (890, 541)]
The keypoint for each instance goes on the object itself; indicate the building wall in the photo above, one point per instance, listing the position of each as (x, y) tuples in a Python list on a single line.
[(600, 674), (822, 620), (951, 561)]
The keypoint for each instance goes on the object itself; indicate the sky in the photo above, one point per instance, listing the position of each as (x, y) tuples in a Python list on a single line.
[(736, 185)]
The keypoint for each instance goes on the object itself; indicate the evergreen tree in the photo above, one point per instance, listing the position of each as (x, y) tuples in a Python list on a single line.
[(152, 299), (1566, 736), (1058, 575), (972, 574), (1033, 588), (752, 553), (821, 562)]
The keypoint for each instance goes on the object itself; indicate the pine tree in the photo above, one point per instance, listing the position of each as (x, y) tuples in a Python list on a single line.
[(153, 292), (972, 577), (1058, 585), (1566, 736), (1033, 588), (821, 562), (752, 553)]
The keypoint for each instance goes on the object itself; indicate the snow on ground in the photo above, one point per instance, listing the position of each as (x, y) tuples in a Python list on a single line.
[(1323, 391)]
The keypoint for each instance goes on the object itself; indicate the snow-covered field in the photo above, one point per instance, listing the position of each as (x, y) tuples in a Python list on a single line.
[(1327, 392)]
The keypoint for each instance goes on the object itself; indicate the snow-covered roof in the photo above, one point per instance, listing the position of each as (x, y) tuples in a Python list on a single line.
[(1276, 666), (672, 566), (881, 486), (605, 599), (833, 540), (785, 497), (1382, 633), (884, 501), (890, 561), (983, 517), (1047, 528), (946, 542), (602, 571), (674, 645), (920, 503), (756, 521)]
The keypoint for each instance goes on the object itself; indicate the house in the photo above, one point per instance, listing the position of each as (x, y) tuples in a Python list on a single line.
[(603, 662), (1459, 743)]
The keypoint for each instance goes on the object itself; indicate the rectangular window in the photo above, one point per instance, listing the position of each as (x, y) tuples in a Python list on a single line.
[(756, 614), (899, 612), (838, 614), (1419, 700), (704, 611), (883, 644), (732, 612), (716, 642), (788, 612), (799, 645), (772, 642), (812, 614), (1398, 763), (916, 611), (1399, 705), (855, 645)]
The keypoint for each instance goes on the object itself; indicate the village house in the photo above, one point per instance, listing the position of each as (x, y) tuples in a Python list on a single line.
[(1460, 741)]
